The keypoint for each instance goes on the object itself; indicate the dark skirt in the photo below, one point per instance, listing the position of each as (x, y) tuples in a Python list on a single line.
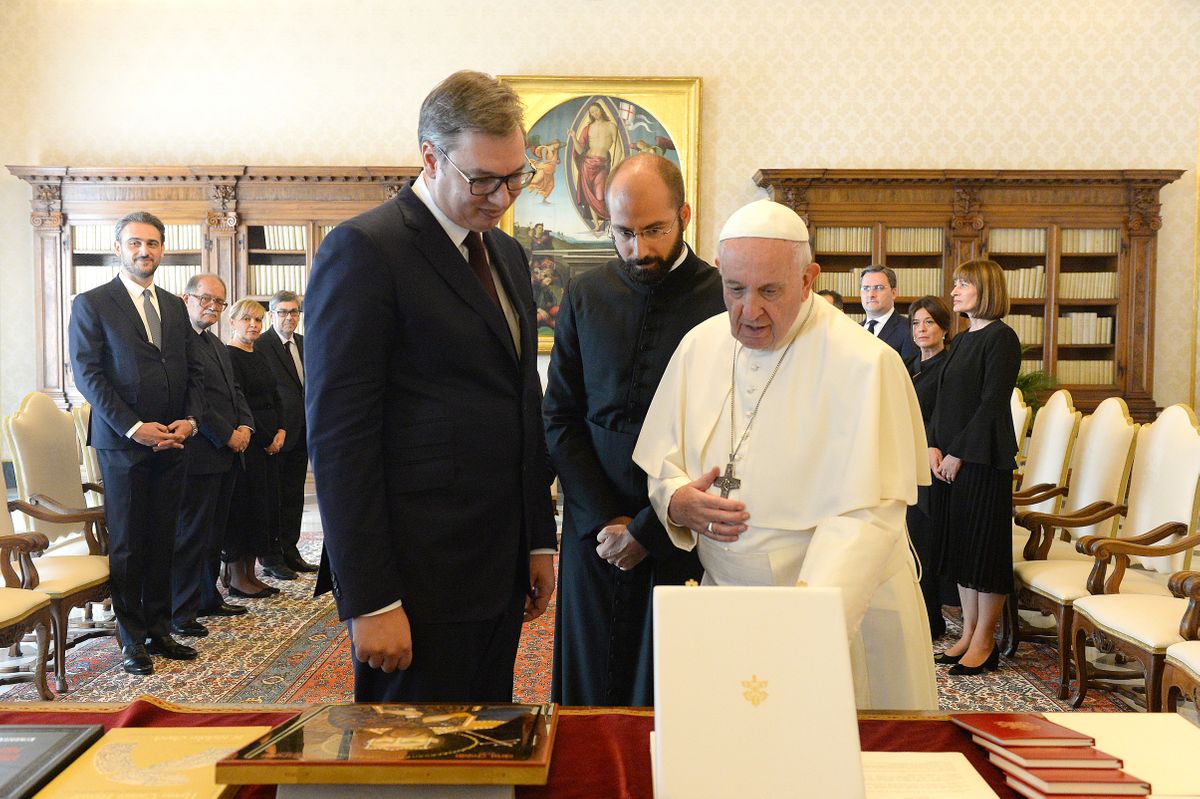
[(974, 519), (254, 512)]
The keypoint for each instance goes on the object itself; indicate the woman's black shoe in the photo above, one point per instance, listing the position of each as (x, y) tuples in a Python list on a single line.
[(263, 594), (991, 664), (942, 659)]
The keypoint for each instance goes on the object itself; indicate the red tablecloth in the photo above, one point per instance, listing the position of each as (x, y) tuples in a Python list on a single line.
[(600, 752)]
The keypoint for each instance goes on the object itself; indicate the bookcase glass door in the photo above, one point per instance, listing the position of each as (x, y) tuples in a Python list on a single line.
[(843, 252)]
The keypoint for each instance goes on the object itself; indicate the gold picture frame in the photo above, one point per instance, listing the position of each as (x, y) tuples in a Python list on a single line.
[(560, 218)]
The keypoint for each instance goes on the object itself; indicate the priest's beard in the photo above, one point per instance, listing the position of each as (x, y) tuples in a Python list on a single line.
[(650, 271)]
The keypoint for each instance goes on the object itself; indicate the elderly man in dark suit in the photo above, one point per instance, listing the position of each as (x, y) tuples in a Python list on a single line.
[(424, 414), (878, 287), (225, 428), (284, 348), (134, 359)]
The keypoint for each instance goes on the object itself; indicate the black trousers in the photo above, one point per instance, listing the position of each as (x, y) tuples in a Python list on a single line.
[(468, 661), (293, 471), (142, 493), (202, 517)]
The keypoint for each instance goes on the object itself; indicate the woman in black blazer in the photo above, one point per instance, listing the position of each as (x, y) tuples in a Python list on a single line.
[(972, 451), (932, 327)]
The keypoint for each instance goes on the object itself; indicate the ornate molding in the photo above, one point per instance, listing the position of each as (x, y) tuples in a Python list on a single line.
[(222, 219), (223, 193), (1144, 209), (46, 193), (966, 216), (46, 219), (392, 189)]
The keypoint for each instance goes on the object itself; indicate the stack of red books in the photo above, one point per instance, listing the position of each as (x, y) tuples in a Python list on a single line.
[(1044, 760)]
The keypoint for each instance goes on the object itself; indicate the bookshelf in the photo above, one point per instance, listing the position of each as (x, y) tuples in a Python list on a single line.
[(1078, 248), (258, 228)]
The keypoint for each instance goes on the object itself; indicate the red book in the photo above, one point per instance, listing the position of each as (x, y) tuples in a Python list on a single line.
[(1059, 781), (1034, 793), (1019, 729), (1052, 756)]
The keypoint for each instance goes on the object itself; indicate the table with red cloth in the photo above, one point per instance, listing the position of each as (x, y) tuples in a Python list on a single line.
[(599, 752)]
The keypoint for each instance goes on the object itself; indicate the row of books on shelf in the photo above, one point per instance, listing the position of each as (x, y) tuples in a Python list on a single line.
[(1030, 329), (285, 237), (1043, 759), (337, 746), (842, 241), (914, 240), (100, 238), (1091, 241), (169, 277), (1031, 365), (269, 278), (1027, 282), (1087, 285), (910, 282), (1085, 328), (1017, 240), (1086, 373)]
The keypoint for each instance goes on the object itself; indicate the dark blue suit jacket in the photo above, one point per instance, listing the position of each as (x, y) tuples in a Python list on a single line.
[(291, 390), (424, 426), (125, 377), (898, 335), (226, 409)]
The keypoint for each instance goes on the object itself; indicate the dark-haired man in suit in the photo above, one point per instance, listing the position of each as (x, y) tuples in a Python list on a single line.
[(284, 348), (878, 287), (225, 428), (133, 356), (424, 414)]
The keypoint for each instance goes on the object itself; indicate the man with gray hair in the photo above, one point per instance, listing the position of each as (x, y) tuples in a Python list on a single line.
[(284, 348), (424, 414), (754, 443)]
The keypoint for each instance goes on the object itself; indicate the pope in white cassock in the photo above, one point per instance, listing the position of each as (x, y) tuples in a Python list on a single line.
[(786, 441)]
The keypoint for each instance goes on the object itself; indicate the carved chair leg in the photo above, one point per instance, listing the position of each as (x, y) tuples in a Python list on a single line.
[(61, 616), (1172, 699), (1081, 669), (39, 663), (1154, 678), (1064, 616), (1010, 622)]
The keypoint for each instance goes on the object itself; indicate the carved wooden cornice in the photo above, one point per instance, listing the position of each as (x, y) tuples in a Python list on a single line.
[(222, 219), (964, 177), (1144, 209), (966, 216), (46, 219), (230, 174)]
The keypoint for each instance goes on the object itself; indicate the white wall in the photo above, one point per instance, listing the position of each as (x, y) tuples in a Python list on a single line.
[(1096, 84)]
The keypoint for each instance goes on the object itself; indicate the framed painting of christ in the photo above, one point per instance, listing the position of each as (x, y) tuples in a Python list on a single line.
[(579, 130)]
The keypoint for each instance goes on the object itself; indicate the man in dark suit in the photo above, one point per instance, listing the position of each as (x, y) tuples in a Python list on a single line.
[(424, 414), (133, 357), (878, 287), (616, 330), (225, 428), (284, 348)]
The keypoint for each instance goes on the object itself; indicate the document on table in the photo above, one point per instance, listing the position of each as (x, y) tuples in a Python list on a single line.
[(922, 775)]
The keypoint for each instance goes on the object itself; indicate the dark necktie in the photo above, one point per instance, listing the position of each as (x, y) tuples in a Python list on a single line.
[(152, 320), (477, 258), (871, 325)]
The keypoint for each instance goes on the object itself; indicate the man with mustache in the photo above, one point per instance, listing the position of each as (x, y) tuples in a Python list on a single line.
[(133, 353), (616, 330)]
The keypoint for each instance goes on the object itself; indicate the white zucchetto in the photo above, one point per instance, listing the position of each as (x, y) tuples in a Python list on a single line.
[(765, 219)]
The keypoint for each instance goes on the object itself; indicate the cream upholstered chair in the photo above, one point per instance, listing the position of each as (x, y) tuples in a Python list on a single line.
[(1181, 664), (1052, 585), (81, 414), (41, 439), (1158, 535), (23, 610), (1022, 415), (1042, 481)]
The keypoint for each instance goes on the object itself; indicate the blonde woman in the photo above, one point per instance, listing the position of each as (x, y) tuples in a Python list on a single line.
[(254, 519)]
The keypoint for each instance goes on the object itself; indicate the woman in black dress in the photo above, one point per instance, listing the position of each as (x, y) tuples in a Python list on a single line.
[(932, 327), (254, 517), (972, 451)]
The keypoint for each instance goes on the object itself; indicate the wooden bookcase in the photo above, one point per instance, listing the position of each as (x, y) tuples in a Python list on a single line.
[(256, 227), (1078, 248)]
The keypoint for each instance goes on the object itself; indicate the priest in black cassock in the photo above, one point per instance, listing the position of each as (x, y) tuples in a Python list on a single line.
[(617, 328)]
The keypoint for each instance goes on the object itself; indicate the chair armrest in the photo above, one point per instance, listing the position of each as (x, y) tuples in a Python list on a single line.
[(1096, 512), (45, 509), (1120, 549), (1186, 585), (96, 487), (1037, 493), (20, 547)]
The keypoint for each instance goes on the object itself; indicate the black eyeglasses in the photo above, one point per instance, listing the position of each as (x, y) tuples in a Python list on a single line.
[(481, 187), (206, 299)]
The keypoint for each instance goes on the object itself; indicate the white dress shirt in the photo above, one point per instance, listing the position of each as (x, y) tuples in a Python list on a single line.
[(135, 294)]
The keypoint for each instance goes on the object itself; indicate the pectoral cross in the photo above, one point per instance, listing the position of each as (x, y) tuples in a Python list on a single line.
[(727, 482)]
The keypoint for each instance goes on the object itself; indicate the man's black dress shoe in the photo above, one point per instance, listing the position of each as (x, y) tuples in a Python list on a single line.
[(135, 660), (299, 564), (171, 649), (190, 628), (279, 570), (223, 609)]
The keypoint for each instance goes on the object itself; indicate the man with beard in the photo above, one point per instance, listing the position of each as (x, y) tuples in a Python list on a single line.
[(133, 353), (617, 328)]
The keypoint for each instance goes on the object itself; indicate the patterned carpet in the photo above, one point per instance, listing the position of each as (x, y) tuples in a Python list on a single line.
[(292, 649)]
